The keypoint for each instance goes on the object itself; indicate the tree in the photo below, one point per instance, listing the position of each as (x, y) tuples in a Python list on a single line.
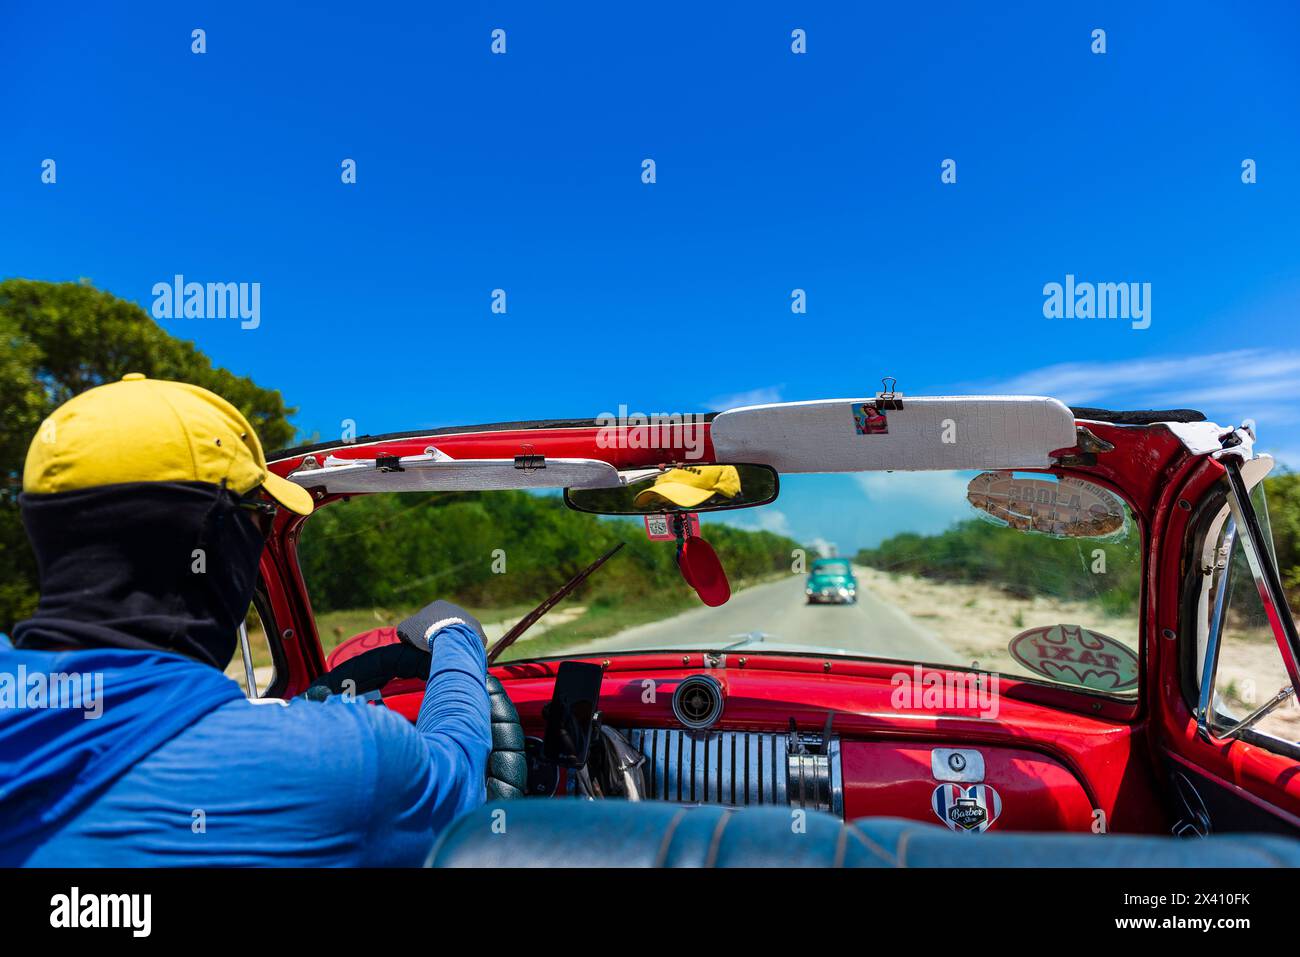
[(1283, 495), (56, 341)]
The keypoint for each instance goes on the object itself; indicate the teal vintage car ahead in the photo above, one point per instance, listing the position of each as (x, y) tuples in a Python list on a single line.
[(831, 580)]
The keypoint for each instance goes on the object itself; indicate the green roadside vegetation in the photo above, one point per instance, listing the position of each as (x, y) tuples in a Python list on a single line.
[(1283, 495), (370, 561), (1024, 565), (605, 616)]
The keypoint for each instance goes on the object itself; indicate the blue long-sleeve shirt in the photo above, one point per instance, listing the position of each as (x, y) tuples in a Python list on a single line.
[(243, 783)]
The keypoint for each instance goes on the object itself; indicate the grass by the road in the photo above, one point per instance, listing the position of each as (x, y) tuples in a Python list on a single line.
[(607, 616), (336, 627), (604, 616)]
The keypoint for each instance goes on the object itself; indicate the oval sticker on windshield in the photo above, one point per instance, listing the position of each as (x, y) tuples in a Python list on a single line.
[(1068, 508), (1077, 656)]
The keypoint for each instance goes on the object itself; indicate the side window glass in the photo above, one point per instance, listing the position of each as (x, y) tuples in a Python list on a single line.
[(1251, 670)]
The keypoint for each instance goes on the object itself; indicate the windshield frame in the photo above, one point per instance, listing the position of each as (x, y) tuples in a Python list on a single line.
[(1129, 705), (1053, 693)]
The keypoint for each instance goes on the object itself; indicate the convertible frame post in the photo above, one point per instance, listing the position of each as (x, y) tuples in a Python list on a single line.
[(1245, 522)]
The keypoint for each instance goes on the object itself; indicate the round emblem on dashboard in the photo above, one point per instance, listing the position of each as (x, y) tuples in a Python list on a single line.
[(697, 702)]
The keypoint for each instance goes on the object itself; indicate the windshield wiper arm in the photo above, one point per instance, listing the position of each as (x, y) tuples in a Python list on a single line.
[(753, 637), (1267, 708), (530, 619)]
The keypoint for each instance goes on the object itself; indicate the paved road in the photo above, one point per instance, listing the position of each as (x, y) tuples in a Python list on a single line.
[(871, 627)]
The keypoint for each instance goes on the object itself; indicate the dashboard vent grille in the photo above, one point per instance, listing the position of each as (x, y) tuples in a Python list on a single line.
[(739, 768)]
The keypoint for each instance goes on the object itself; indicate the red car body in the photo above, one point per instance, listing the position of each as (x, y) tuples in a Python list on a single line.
[(1063, 760)]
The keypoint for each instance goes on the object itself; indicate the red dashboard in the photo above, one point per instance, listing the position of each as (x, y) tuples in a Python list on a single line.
[(1048, 759)]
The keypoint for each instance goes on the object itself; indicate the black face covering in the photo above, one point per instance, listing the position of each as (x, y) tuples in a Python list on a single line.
[(165, 566)]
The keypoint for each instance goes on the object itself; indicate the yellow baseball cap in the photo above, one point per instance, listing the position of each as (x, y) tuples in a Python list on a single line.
[(691, 485), (152, 430)]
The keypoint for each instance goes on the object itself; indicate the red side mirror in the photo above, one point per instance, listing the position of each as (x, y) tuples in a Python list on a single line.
[(703, 571)]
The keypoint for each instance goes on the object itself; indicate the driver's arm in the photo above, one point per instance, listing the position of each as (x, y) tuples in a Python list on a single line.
[(429, 775), (455, 719)]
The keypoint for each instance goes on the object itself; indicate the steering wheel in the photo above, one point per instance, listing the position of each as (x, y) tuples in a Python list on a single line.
[(507, 770)]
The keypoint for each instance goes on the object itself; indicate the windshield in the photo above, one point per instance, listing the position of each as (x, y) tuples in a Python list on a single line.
[(1020, 574)]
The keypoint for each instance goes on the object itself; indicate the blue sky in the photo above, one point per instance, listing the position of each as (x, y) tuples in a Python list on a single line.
[(775, 171)]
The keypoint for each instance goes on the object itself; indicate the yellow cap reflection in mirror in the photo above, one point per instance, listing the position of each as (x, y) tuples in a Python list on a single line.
[(690, 486)]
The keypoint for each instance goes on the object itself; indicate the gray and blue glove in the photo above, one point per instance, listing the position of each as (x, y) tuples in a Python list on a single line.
[(422, 628)]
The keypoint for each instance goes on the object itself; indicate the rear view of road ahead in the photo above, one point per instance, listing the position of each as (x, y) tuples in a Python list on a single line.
[(779, 609)]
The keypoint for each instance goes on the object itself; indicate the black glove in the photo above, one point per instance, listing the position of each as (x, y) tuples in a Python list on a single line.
[(421, 628)]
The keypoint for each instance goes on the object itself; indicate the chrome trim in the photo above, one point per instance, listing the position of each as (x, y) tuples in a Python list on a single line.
[(1267, 708), (699, 767), (308, 464), (250, 677), (1263, 568), (726, 769), (1210, 666), (837, 777), (710, 687), (1257, 547), (808, 781), (960, 765), (740, 767)]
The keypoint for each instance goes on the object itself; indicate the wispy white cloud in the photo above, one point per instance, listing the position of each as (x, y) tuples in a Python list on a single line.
[(824, 548), (1287, 455), (930, 500), (760, 396), (772, 520), (1239, 378), (766, 519), (1260, 384)]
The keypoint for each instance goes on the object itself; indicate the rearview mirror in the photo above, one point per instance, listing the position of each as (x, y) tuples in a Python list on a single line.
[(679, 488)]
